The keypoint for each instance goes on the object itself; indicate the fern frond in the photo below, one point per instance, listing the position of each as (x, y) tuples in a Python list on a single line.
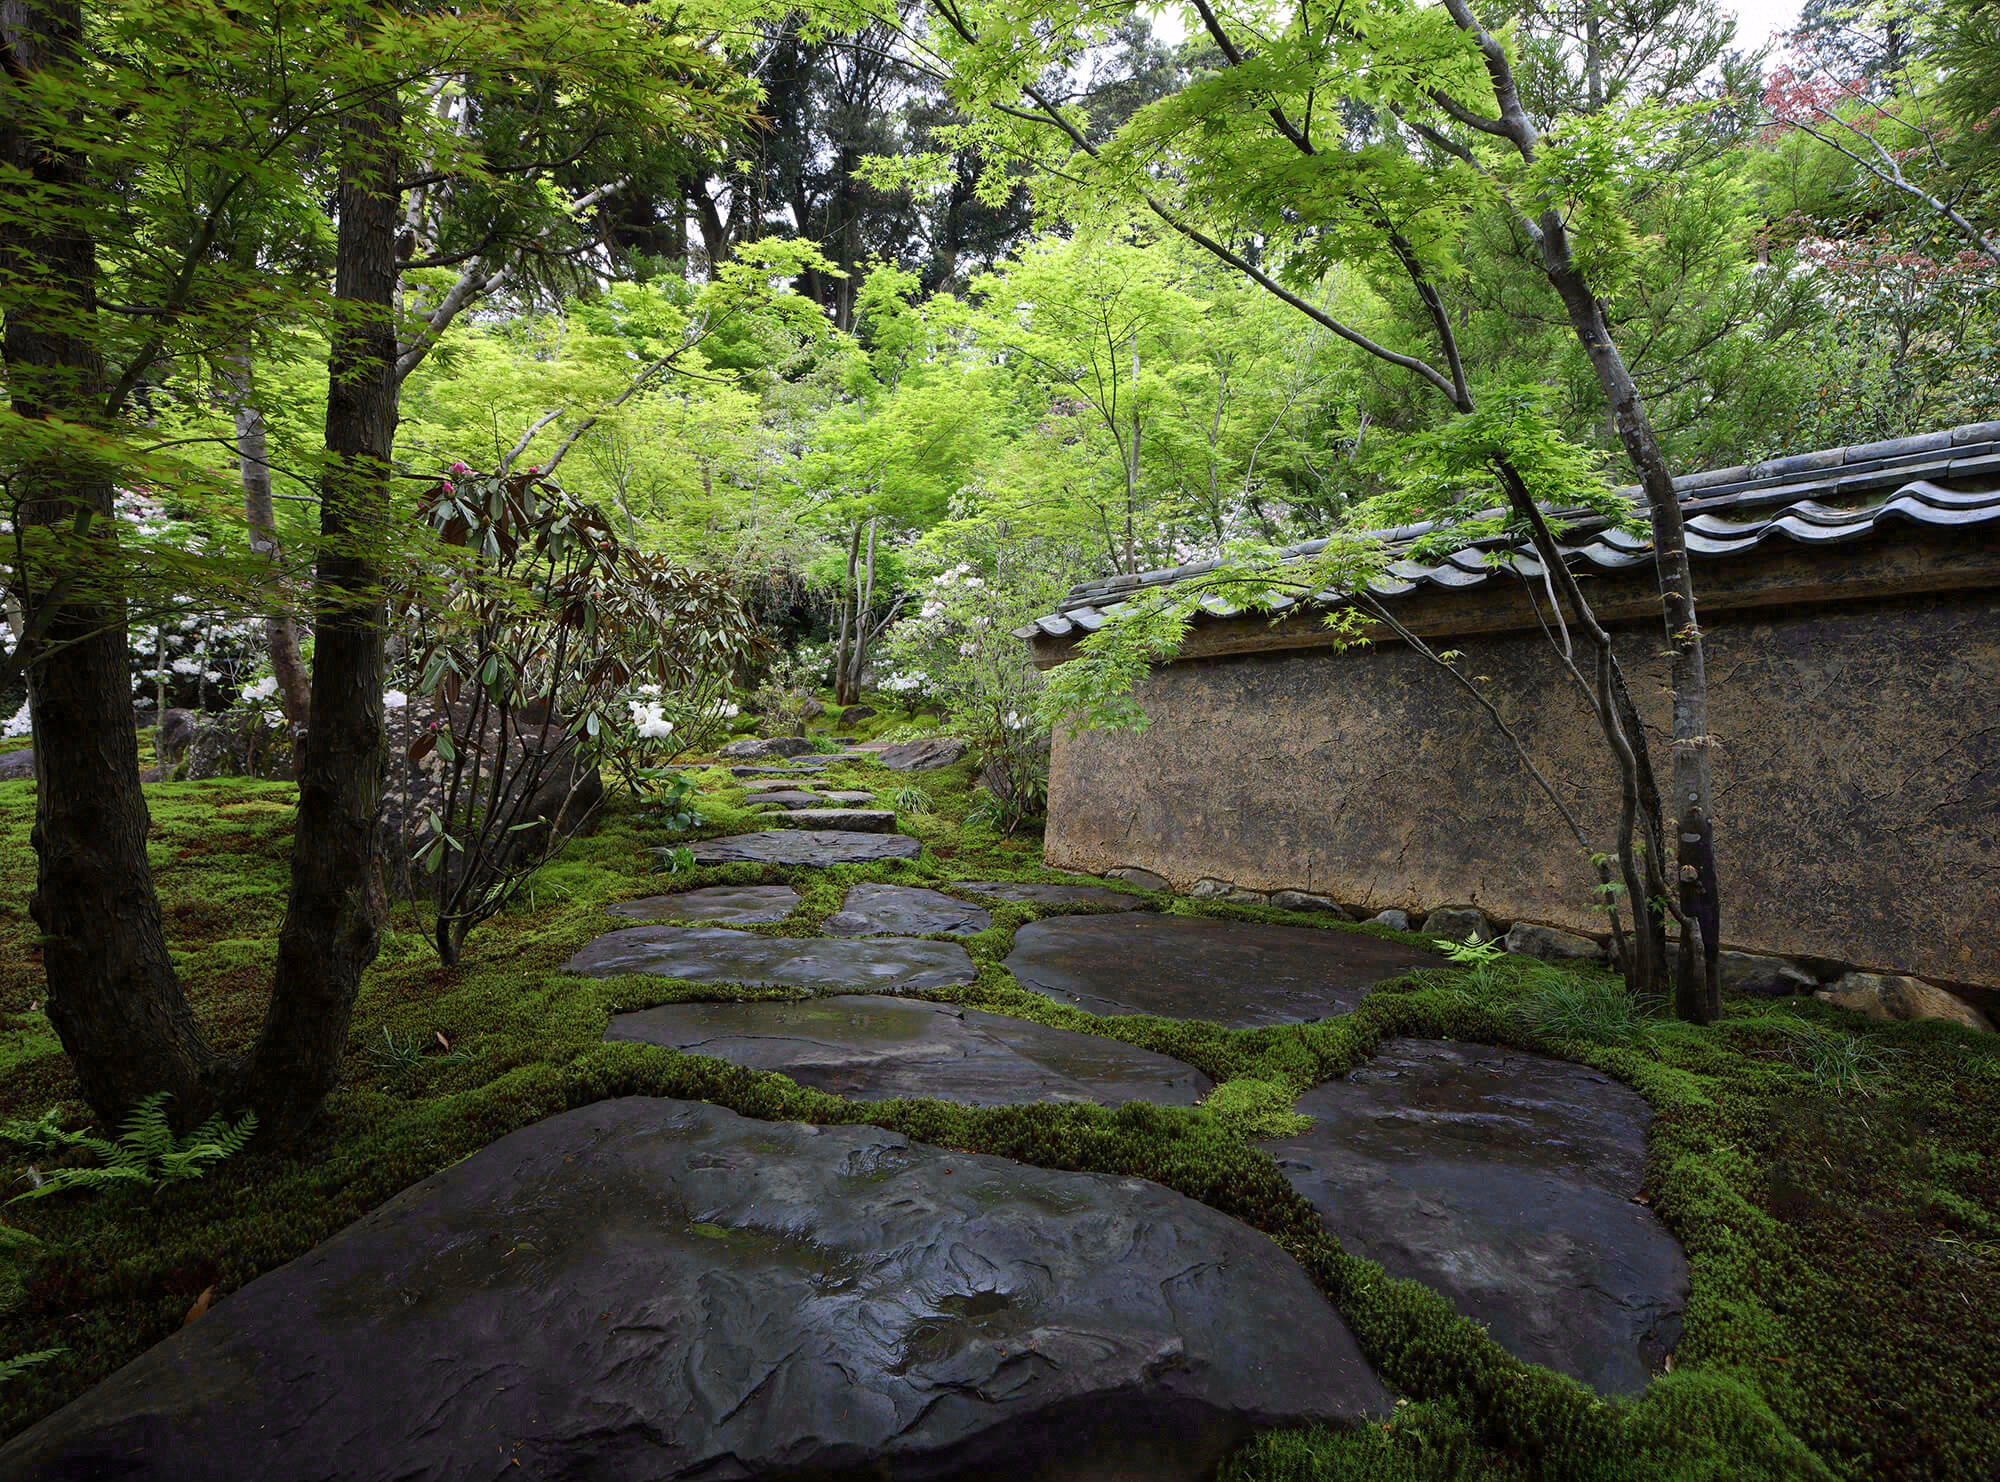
[(20, 1363)]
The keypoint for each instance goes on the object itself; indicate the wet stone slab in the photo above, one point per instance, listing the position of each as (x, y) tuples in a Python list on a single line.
[(736, 904), (872, 1048), (863, 820), (904, 910), (789, 797), (816, 848), (649, 1288), (1504, 1180), (1055, 895), (710, 954), (1237, 974)]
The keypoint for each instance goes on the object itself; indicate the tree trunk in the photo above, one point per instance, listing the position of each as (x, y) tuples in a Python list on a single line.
[(1132, 472), (849, 615), (1697, 993), (281, 633), (114, 999), (333, 921), (864, 605)]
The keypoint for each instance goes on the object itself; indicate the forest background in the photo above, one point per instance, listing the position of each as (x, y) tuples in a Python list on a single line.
[(901, 376)]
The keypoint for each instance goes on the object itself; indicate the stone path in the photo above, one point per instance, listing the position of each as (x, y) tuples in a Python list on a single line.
[(1232, 973), (862, 820), (1505, 1181), (816, 848), (1056, 895), (663, 1289), (904, 910), (871, 1048), (711, 954), (660, 1289), (736, 905)]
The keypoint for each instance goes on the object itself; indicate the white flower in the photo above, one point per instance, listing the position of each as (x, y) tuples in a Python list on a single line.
[(1012, 721), (394, 699), (648, 722), (973, 581), (967, 650), (20, 725), (186, 666), (931, 610), (649, 689), (263, 689)]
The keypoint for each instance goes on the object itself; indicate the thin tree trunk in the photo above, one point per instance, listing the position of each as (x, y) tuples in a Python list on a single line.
[(333, 921), (114, 999), (281, 633), (1132, 471), (847, 619), (864, 605), (1697, 989)]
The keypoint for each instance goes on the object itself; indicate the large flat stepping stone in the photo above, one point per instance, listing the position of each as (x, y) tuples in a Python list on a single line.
[(1056, 895), (847, 798), (865, 820), (788, 798), (817, 848), (713, 954), (740, 904), (1232, 973), (658, 1289), (872, 1048), (903, 910), (1505, 1181)]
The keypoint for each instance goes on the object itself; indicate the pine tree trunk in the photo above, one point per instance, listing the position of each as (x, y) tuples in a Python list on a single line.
[(114, 999), (333, 921)]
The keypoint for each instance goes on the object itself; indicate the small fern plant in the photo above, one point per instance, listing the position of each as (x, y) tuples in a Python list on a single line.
[(147, 1154), (13, 1368)]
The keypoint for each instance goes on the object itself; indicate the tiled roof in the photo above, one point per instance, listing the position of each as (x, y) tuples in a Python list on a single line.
[(1942, 480)]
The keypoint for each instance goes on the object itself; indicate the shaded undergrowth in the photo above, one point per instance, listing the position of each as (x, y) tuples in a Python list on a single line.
[(1841, 1228)]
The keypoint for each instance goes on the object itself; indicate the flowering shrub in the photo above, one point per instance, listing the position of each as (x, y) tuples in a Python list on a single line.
[(960, 650), (543, 646)]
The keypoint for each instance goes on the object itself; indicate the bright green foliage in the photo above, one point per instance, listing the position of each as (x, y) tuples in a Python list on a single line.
[(147, 1154)]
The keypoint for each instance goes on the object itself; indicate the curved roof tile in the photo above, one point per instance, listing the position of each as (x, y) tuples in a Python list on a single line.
[(1729, 511)]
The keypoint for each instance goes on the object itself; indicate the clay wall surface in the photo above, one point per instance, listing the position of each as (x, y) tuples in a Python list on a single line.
[(1857, 778)]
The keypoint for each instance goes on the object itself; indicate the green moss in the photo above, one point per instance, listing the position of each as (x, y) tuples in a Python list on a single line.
[(1844, 1316)]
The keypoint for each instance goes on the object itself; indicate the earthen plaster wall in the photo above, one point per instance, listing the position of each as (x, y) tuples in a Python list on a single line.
[(1857, 774)]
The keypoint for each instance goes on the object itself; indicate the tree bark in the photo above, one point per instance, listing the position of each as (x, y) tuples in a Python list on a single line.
[(281, 633), (1697, 989), (333, 920), (114, 999)]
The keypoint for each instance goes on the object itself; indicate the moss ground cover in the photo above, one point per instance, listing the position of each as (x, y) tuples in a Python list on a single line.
[(1845, 1243)]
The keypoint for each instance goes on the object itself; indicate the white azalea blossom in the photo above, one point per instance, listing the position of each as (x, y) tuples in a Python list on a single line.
[(394, 699)]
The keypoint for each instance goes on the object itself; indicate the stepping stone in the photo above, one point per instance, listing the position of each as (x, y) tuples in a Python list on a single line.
[(769, 771), (1056, 895), (787, 798), (846, 799), (903, 910), (654, 1288), (755, 746), (871, 1049), (816, 849), (712, 954), (1231, 973), (788, 783), (921, 756), (740, 904), (1505, 1181), (869, 820)]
